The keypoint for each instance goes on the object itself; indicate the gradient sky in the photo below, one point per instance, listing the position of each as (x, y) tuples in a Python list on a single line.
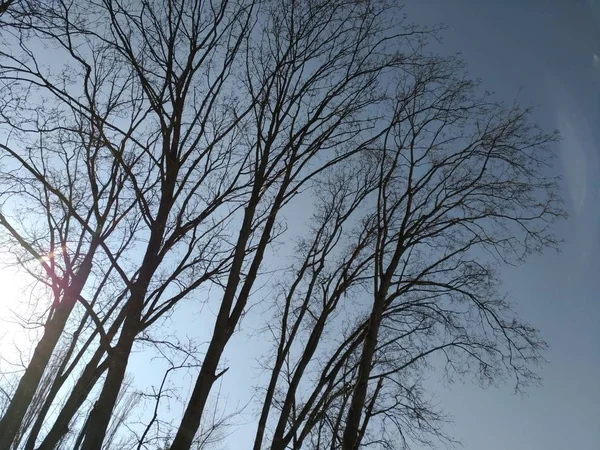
[(543, 52), (550, 49), (548, 53)]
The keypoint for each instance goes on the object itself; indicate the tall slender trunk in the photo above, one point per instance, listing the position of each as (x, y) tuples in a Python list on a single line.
[(282, 352), (290, 398), (103, 408), (12, 419), (119, 357), (283, 349), (61, 376), (352, 431), (29, 383), (268, 400), (41, 417), (311, 406), (221, 334), (78, 394), (208, 375), (91, 373), (226, 320)]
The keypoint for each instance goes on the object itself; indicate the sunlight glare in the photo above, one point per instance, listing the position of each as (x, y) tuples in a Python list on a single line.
[(13, 302)]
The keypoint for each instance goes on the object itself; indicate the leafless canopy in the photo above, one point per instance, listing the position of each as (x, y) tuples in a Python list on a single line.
[(151, 156)]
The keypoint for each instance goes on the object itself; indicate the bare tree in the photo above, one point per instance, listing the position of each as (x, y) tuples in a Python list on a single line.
[(461, 187), (156, 155), (168, 228), (79, 210), (313, 75)]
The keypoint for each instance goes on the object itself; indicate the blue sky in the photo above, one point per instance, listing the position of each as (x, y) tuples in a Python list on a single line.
[(548, 53), (542, 52), (545, 48)]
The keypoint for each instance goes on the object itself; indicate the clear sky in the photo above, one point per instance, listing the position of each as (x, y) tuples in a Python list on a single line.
[(543, 51), (549, 51), (547, 48)]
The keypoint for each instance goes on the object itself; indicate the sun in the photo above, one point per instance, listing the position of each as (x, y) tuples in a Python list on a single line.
[(15, 289)]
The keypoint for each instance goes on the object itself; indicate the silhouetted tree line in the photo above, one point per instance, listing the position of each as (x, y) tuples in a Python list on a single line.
[(151, 155)]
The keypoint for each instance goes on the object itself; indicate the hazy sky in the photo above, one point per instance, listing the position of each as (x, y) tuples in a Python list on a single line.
[(547, 48)]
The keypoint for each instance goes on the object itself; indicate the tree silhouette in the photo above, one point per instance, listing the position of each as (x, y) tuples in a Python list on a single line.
[(152, 152)]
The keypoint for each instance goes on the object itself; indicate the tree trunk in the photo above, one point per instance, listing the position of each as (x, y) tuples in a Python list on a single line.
[(61, 376), (267, 402), (225, 323), (208, 375), (92, 371), (13, 417), (39, 421), (103, 408), (101, 413), (290, 398), (350, 439), (76, 398)]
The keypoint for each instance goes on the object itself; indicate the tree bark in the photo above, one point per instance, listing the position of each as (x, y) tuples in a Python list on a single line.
[(12, 419)]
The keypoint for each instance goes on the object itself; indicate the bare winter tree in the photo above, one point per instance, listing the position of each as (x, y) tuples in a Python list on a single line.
[(60, 205), (462, 188), (150, 151), (116, 103), (313, 74), (459, 188)]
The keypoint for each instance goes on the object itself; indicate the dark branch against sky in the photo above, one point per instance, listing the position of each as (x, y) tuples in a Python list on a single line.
[(544, 54), (546, 51)]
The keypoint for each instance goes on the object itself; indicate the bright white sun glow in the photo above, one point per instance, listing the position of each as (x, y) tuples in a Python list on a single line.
[(15, 289)]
